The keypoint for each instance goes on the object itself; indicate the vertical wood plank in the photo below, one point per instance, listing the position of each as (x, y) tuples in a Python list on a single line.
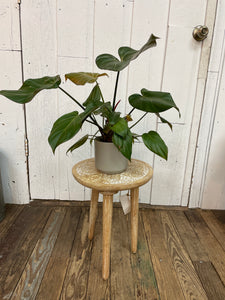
[(52, 282), (95, 274), (75, 54), (146, 71), (167, 280), (39, 42), (214, 249), (12, 129), (189, 280), (210, 16), (214, 177), (9, 25), (76, 280), (32, 275), (144, 280), (121, 269)]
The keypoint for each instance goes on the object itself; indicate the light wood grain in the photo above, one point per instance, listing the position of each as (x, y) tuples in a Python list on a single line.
[(189, 281), (134, 218), (30, 280), (106, 233), (138, 173), (93, 213)]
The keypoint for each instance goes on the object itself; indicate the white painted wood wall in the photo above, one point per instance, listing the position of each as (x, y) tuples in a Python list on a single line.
[(65, 36)]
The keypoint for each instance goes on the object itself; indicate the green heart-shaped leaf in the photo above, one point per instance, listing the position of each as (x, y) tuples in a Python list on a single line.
[(78, 143), (64, 129), (121, 128), (151, 101), (164, 121), (94, 96), (30, 88), (124, 145), (155, 143), (80, 78), (126, 54)]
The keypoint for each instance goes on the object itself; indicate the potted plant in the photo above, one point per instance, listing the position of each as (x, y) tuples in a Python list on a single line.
[(114, 131)]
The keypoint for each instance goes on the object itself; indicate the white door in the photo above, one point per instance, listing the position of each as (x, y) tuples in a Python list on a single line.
[(66, 36)]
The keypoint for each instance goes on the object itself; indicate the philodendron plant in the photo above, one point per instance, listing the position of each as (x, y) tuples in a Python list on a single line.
[(114, 128)]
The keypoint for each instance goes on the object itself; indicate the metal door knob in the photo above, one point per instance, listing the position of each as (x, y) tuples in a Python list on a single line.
[(200, 32)]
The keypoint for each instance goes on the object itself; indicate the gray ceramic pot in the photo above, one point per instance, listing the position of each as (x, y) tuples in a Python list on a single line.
[(108, 158)]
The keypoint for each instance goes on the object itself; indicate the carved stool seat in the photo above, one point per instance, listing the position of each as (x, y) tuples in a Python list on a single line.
[(137, 174)]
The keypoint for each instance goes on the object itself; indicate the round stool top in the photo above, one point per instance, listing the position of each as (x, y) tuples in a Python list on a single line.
[(137, 174)]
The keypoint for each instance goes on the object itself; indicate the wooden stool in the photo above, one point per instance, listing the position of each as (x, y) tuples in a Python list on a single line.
[(137, 174)]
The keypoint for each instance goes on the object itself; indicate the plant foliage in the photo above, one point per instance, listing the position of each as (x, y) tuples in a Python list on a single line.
[(115, 128)]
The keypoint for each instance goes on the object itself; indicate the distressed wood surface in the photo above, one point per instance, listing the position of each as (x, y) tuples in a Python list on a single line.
[(76, 279), (46, 254), (95, 272), (11, 213), (121, 269), (189, 281), (30, 280), (214, 249), (165, 272), (52, 282), (17, 246), (145, 284)]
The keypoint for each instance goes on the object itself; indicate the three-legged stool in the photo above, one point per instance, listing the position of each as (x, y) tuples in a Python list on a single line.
[(137, 174)]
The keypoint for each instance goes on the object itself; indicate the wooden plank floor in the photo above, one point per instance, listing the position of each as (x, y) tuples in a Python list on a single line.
[(45, 254)]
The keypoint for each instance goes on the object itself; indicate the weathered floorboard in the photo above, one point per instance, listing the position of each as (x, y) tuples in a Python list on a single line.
[(121, 269), (96, 285), (168, 283), (11, 213), (52, 282), (75, 284), (45, 253), (17, 246), (30, 280), (144, 280), (208, 240), (189, 280)]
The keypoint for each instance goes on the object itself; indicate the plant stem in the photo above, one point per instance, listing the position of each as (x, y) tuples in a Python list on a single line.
[(92, 118), (115, 91), (131, 110), (139, 120), (90, 122), (72, 98)]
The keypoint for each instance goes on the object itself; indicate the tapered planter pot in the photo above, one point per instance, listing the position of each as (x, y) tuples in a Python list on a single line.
[(108, 158)]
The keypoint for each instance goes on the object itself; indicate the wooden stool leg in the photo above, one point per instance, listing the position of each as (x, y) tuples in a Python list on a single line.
[(93, 213), (106, 239), (134, 218)]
